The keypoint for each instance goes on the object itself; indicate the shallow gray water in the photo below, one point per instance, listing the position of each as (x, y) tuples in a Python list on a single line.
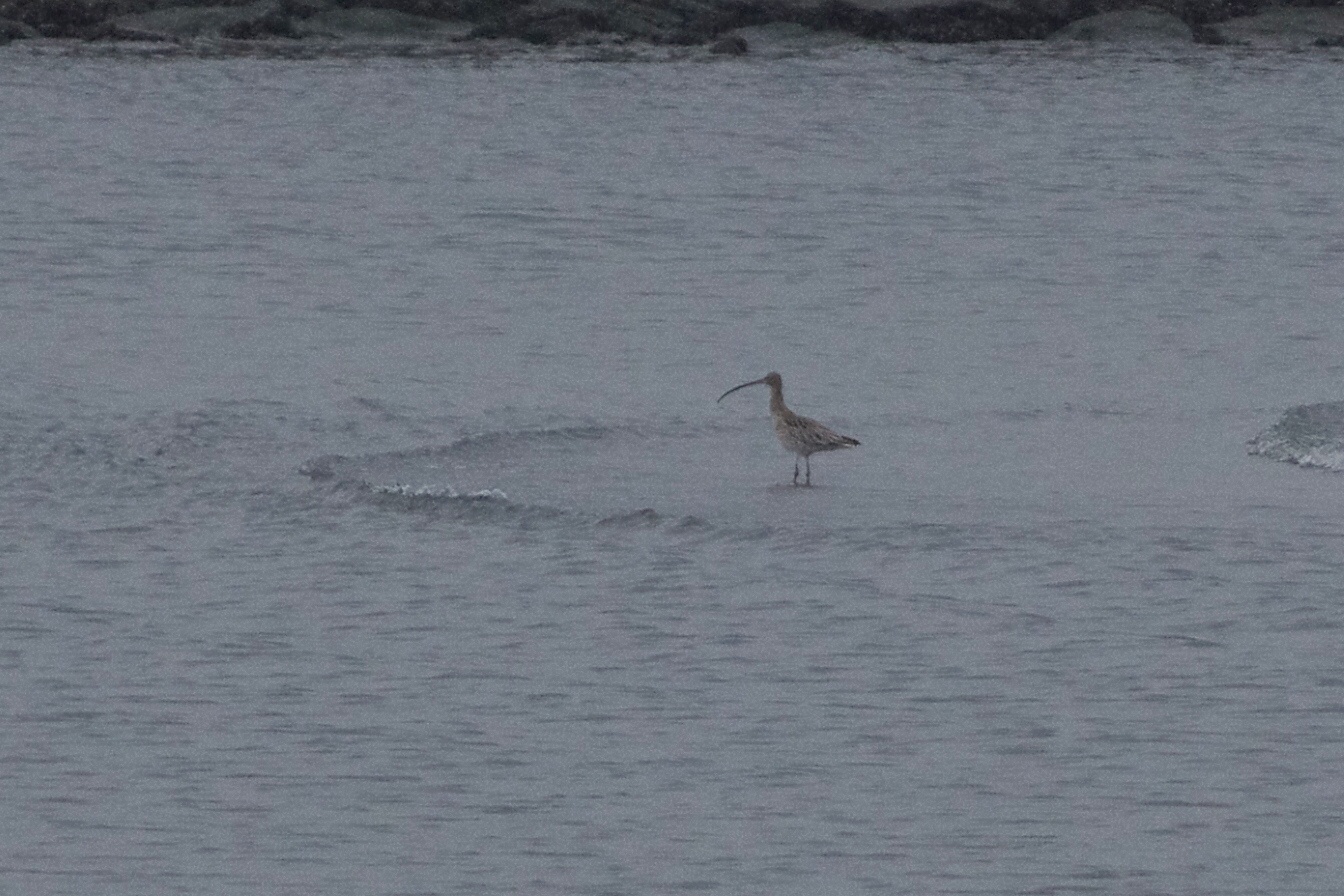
[(369, 525)]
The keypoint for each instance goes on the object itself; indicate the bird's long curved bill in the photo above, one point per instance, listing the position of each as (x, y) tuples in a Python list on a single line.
[(743, 386)]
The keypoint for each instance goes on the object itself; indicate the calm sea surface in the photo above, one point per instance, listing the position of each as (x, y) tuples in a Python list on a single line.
[(369, 525)]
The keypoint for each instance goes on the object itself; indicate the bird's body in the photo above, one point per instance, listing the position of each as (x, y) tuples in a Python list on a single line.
[(799, 435)]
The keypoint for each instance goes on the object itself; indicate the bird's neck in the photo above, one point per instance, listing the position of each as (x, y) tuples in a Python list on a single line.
[(777, 401)]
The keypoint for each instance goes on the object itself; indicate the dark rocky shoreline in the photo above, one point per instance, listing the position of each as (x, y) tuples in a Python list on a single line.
[(721, 26)]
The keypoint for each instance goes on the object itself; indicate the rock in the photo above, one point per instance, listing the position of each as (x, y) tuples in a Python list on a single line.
[(273, 23), (253, 21), (931, 21), (12, 30), (1287, 27), (187, 22), (550, 22), (381, 24), (56, 18), (114, 31), (790, 39), (726, 27), (729, 45), (1128, 26)]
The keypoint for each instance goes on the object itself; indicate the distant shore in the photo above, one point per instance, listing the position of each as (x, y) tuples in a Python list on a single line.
[(720, 26)]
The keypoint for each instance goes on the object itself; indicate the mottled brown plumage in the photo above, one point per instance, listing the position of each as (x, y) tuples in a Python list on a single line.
[(801, 435)]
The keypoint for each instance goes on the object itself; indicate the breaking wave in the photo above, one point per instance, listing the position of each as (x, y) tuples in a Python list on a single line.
[(555, 438), (382, 474), (484, 474), (432, 492), (427, 471), (1309, 435)]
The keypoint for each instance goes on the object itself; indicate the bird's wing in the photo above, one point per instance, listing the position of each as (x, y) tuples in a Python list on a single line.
[(819, 437)]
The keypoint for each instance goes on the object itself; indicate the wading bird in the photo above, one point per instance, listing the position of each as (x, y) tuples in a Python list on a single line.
[(801, 435)]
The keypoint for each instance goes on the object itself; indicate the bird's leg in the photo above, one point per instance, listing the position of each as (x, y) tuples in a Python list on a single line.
[(808, 461), (795, 471)]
